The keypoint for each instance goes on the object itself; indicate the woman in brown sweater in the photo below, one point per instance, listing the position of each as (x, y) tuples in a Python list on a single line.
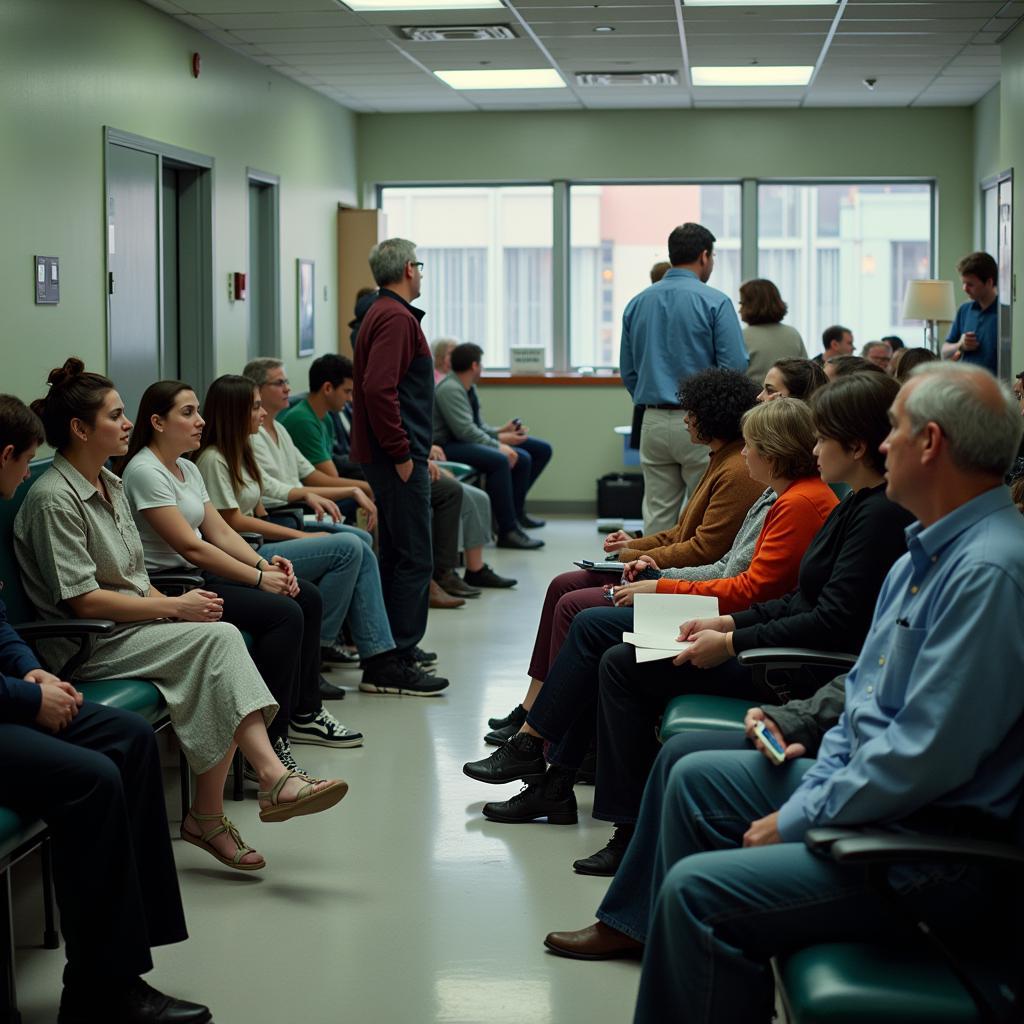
[(715, 401)]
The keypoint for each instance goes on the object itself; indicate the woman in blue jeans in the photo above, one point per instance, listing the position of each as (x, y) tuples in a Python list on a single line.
[(341, 564)]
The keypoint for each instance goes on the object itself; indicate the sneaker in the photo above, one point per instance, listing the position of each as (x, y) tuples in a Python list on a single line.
[(517, 539), (399, 676), (522, 757), (324, 730), (517, 715), (422, 657), (337, 654), (283, 750), (487, 577)]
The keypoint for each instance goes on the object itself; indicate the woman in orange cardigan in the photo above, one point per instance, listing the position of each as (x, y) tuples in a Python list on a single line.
[(779, 452), (715, 401)]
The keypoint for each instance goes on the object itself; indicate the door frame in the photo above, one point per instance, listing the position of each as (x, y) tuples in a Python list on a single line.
[(273, 307), (200, 268)]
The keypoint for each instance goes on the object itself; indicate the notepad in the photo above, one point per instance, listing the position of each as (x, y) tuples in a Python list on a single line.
[(656, 622)]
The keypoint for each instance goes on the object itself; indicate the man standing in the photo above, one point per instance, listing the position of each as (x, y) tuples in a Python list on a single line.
[(671, 330), (835, 341), (510, 459), (974, 334), (392, 427), (939, 672)]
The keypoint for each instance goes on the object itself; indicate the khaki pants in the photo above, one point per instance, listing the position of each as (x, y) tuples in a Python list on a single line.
[(672, 466)]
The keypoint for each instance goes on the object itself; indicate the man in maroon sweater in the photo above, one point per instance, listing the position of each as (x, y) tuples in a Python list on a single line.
[(392, 431)]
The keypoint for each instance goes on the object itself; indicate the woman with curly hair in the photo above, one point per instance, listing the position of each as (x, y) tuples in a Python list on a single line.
[(715, 401)]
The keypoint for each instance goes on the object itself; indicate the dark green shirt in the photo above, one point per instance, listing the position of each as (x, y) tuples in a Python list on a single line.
[(313, 436)]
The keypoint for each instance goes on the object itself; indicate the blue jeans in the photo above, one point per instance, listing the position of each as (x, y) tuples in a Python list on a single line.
[(507, 485), (720, 912), (343, 567)]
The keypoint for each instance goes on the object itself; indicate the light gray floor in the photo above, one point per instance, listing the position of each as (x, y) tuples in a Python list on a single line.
[(403, 904)]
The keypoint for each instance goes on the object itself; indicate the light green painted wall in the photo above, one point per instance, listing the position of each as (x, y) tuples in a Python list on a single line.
[(661, 144), (987, 155), (69, 67), (1012, 153)]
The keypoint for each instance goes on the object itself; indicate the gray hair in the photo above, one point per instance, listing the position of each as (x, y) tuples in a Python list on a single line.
[(257, 370), (389, 258), (875, 344), (441, 348), (983, 436)]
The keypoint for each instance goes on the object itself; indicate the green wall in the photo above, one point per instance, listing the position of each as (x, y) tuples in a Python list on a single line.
[(661, 144), (1012, 154), (987, 155), (67, 69)]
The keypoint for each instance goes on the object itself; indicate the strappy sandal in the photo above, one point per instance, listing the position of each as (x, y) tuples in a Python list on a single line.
[(310, 800), (205, 841)]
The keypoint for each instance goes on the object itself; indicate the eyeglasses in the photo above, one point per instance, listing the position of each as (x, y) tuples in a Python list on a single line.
[(282, 383), (412, 263)]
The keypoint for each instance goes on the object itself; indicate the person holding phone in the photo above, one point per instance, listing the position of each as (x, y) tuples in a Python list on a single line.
[(974, 334)]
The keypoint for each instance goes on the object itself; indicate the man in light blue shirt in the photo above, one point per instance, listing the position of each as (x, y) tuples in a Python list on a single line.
[(670, 331), (929, 740)]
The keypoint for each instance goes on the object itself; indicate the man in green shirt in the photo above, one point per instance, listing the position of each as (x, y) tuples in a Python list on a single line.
[(309, 421)]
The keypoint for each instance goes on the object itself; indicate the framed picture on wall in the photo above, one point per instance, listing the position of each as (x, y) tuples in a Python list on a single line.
[(304, 295)]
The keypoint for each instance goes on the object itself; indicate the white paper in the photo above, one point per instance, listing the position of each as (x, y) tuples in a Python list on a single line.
[(659, 653), (645, 640), (661, 615)]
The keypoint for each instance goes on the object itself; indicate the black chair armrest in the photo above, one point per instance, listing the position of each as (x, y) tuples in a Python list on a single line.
[(174, 580), (853, 847), (291, 506), (64, 628), (254, 540), (794, 657)]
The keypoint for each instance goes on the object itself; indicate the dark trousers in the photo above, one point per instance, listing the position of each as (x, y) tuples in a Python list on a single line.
[(564, 710), (406, 558), (446, 507), (99, 787), (507, 485), (285, 647)]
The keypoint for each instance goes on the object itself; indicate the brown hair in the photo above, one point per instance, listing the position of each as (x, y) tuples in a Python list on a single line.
[(782, 431), (981, 265), (19, 425), (906, 359), (157, 400), (802, 376), (659, 270), (227, 409), (74, 395), (855, 410), (761, 302)]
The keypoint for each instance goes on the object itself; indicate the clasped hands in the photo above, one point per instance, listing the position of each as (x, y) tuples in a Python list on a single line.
[(59, 701)]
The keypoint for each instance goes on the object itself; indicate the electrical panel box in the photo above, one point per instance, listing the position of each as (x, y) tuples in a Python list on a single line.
[(47, 280)]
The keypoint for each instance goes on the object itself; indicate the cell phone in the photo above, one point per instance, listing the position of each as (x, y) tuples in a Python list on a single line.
[(648, 573), (517, 423), (776, 751), (609, 594)]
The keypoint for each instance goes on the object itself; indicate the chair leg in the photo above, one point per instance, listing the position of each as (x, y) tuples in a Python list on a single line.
[(238, 778), (50, 938), (185, 776), (8, 992)]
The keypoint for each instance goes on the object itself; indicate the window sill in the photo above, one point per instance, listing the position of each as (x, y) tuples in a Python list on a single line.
[(553, 379)]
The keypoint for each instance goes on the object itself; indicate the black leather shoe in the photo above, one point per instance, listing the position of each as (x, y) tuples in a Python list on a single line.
[(606, 862), (517, 539), (522, 757), (529, 523), (328, 691), (496, 737), (586, 774), (487, 577), (138, 1004), (517, 715), (452, 583), (552, 799)]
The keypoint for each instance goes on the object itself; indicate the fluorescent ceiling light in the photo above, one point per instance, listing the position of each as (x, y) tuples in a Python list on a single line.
[(759, 3), (422, 5), (753, 74), (523, 78)]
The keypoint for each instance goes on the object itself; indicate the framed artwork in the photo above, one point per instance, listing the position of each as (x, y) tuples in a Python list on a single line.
[(304, 294)]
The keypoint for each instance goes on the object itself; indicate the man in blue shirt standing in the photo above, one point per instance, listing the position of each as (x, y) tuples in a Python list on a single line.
[(928, 742), (974, 334), (670, 331)]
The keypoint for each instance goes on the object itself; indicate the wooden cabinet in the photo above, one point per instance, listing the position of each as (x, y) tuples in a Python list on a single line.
[(358, 232)]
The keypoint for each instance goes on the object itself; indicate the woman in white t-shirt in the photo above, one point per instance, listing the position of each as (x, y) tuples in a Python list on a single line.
[(181, 529), (341, 565)]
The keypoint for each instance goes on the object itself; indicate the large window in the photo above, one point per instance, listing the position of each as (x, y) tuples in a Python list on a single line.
[(617, 233), (487, 262), (842, 254)]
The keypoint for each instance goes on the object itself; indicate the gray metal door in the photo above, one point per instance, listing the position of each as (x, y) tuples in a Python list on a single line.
[(262, 284), (169, 358), (133, 263)]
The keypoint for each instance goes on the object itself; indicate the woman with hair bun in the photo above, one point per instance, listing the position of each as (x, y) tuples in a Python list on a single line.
[(81, 556)]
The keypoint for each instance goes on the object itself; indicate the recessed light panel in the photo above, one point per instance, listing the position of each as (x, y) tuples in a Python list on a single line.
[(522, 78), (760, 3), (421, 5), (753, 75)]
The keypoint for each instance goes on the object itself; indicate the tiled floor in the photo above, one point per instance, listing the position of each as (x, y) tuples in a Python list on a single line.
[(402, 906)]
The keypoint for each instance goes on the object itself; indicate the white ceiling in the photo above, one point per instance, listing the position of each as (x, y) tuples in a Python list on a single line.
[(922, 52)]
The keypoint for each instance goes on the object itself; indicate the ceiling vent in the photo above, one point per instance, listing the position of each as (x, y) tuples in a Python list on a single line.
[(456, 33), (606, 78)]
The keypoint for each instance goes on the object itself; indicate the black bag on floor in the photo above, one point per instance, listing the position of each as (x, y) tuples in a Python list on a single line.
[(620, 496)]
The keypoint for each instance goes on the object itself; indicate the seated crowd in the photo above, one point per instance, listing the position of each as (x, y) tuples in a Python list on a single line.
[(851, 504)]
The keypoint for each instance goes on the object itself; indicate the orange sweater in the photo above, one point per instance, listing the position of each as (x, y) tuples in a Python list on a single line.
[(711, 518), (789, 528)]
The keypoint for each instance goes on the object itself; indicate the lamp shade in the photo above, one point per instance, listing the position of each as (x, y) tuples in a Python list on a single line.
[(929, 300)]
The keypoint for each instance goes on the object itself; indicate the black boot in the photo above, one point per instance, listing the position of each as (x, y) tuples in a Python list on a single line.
[(522, 757), (606, 862), (139, 1003), (498, 736), (586, 774), (517, 715), (552, 798)]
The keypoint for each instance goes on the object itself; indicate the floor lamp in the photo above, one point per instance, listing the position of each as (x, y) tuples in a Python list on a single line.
[(930, 301)]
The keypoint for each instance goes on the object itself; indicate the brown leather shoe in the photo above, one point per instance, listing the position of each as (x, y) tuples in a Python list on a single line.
[(596, 942), (439, 599)]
